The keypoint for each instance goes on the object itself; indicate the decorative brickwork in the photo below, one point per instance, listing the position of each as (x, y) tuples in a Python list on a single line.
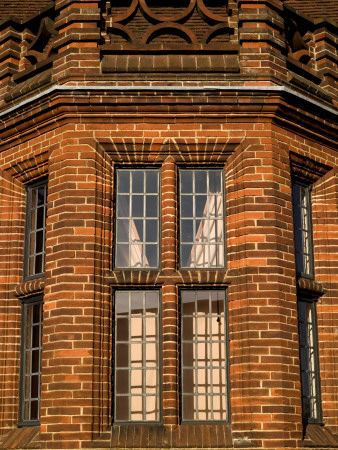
[(245, 88)]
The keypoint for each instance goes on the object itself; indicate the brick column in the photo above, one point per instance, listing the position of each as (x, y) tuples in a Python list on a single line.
[(264, 364), (76, 325), (12, 204)]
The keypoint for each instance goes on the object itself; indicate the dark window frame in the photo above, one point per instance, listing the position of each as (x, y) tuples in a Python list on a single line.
[(311, 300), (227, 350), (25, 304), (113, 365), (28, 228), (180, 169), (154, 168), (298, 232)]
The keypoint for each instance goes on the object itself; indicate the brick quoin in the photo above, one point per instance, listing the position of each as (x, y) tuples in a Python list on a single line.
[(248, 88)]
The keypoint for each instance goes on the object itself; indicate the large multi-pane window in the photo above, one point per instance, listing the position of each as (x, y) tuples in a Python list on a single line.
[(301, 202), (136, 356), (204, 370), (309, 361), (31, 361), (201, 218), (35, 229), (137, 222)]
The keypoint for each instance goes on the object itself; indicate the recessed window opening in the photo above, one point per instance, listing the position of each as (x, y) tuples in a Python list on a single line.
[(136, 356), (201, 218), (204, 369), (137, 223)]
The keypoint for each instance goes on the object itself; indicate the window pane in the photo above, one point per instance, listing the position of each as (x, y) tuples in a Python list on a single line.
[(137, 385), (203, 356), (31, 361), (35, 239), (135, 231), (201, 219), (301, 204), (309, 364)]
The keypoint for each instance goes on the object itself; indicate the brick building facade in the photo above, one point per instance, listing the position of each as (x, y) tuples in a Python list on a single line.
[(168, 224)]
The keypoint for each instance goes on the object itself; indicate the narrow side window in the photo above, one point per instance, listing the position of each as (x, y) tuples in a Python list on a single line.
[(302, 224), (309, 360), (35, 230), (31, 339)]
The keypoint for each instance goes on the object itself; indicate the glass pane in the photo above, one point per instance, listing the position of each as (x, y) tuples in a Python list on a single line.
[(151, 231), (122, 329), (186, 182), (186, 206), (41, 195), (122, 302), (35, 361), (38, 264), (137, 206), (215, 181), (122, 408), (36, 336), (186, 255), (136, 306), (201, 181), (138, 181), (201, 204), (40, 217), (122, 381), (123, 205), (187, 231), (137, 230), (122, 230), (122, 355), (36, 312), (122, 255), (151, 182), (151, 255), (39, 241), (151, 206), (35, 380), (34, 410), (123, 181), (152, 302)]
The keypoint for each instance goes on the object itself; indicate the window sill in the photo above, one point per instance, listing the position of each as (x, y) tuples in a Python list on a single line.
[(159, 436), (20, 438), (319, 436)]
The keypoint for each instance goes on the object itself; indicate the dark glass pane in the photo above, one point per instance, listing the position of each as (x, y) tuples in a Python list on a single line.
[(151, 255), (186, 182), (151, 206), (123, 205), (137, 206), (33, 222), (35, 361), (121, 408), (38, 264), (201, 203), (217, 299), (137, 230), (187, 231), (122, 230), (28, 368), (35, 386), (36, 336), (188, 381), (188, 302), (136, 305), (32, 243), (122, 303), (122, 255), (215, 181), (138, 181), (186, 206), (36, 312), (188, 325), (39, 241), (123, 181), (34, 197), (188, 407), (41, 195), (151, 231), (122, 381), (34, 410), (185, 255), (152, 302), (122, 329), (40, 217), (27, 411), (151, 182), (201, 181), (122, 355)]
